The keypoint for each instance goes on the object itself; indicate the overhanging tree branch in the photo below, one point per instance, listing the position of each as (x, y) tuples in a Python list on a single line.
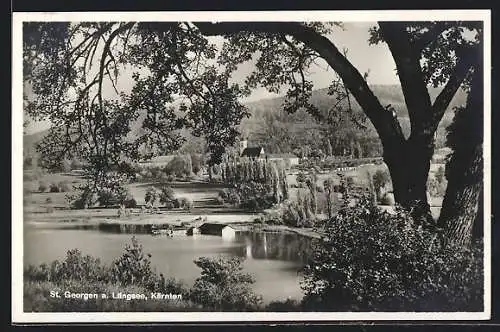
[(410, 75), (386, 125), (430, 36), (467, 60)]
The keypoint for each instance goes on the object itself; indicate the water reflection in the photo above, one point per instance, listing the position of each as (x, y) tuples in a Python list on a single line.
[(272, 246), (289, 247), (272, 258)]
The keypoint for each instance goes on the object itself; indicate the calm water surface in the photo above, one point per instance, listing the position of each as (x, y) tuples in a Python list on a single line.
[(272, 258)]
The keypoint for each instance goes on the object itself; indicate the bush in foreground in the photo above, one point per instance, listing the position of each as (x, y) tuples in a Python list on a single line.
[(223, 285), (370, 260), (130, 273)]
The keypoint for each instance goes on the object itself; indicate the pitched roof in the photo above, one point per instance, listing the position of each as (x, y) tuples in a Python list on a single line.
[(251, 152), (212, 227)]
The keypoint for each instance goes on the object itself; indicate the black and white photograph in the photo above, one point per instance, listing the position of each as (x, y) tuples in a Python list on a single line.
[(251, 166)]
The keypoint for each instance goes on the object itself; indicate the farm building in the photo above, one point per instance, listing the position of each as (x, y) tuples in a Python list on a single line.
[(288, 158), (258, 152), (226, 231), (251, 152)]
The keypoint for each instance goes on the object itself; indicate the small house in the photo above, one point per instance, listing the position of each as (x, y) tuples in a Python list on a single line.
[(226, 231), (288, 158), (253, 153)]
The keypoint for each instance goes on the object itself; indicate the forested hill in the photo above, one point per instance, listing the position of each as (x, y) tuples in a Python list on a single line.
[(279, 132)]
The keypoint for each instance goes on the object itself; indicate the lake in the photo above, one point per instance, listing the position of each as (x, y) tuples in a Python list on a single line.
[(274, 259)]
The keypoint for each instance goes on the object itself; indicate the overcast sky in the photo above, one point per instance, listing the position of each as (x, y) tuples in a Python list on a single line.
[(375, 59)]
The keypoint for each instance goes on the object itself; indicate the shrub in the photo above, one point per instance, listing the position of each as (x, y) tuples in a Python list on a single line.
[(380, 179), (229, 196), (64, 186), (271, 218), (185, 203), (42, 186), (288, 305), (151, 196), (255, 196), (197, 162), (349, 181), (133, 267), (435, 188), (75, 266), (54, 188), (176, 203), (112, 196), (371, 260), (171, 204), (166, 194), (223, 286), (84, 198), (301, 177), (440, 175), (180, 166), (130, 274), (297, 214), (129, 201)]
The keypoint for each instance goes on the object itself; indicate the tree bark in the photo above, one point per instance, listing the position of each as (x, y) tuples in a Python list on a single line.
[(465, 168), (460, 205), (409, 164), (478, 227)]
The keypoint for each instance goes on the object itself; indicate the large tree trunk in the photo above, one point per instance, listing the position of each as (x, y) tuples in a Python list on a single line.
[(465, 168), (409, 163), (478, 227), (460, 205)]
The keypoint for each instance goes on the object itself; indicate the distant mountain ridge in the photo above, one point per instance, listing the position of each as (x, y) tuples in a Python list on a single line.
[(387, 94)]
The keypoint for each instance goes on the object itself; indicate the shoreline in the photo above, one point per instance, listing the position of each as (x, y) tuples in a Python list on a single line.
[(107, 220)]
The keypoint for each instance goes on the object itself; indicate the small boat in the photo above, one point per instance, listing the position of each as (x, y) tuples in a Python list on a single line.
[(155, 230), (179, 231), (168, 231), (161, 232)]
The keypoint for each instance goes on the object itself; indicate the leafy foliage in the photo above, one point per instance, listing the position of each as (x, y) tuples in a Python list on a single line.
[(151, 195), (180, 166), (68, 89), (369, 260), (223, 286), (133, 267), (54, 188), (42, 186), (166, 194), (130, 274)]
